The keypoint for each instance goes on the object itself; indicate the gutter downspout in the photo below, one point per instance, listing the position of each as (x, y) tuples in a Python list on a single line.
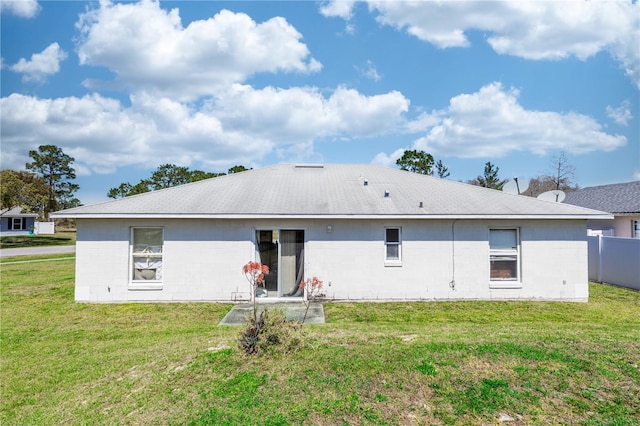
[(452, 283)]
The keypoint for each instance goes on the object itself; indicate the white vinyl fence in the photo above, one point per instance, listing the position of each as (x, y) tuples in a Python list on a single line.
[(44, 228), (615, 260)]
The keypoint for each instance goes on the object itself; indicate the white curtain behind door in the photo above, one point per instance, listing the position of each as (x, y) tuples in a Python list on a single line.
[(288, 270)]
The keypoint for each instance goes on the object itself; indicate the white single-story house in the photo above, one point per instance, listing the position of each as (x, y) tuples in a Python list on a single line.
[(368, 232)]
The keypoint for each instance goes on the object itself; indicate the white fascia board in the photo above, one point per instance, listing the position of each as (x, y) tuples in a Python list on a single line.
[(334, 217)]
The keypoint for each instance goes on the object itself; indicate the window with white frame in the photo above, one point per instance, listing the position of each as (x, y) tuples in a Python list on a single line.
[(504, 255), (393, 244), (17, 223), (146, 255)]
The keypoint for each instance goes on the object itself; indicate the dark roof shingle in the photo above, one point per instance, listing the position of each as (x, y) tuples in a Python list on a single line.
[(615, 198)]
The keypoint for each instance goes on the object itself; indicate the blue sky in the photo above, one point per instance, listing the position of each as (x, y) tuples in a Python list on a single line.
[(124, 87)]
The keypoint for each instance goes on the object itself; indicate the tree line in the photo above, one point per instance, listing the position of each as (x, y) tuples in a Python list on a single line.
[(47, 183), (166, 176), (560, 176)]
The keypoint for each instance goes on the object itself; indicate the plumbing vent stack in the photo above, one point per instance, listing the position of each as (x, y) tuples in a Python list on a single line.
[(386, 194)]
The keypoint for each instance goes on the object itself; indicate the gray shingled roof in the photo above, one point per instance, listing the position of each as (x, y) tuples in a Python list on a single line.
[(619, 198), (16, 212), (355, 190)]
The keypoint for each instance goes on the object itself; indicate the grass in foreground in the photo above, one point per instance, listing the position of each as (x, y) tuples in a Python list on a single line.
[(391, 363), (19, 241)]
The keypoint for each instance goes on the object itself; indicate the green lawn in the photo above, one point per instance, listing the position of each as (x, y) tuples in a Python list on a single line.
[(58, 239), (382, 363)]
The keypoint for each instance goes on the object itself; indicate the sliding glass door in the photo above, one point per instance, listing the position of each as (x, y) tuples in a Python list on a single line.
[(283, 252)]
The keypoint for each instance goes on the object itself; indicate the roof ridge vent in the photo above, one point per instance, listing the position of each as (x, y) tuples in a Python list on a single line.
[(309, 166)]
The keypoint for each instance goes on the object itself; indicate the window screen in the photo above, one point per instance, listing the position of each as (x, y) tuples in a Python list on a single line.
[(504, 254), (147, 258), (393, 244)]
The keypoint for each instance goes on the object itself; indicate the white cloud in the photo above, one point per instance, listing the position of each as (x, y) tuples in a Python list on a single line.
[(303, 152), (621, 115), (362, 116), (21, 8), (340, 9), (41, 64), (300, 114), (102, 134), (491, 123), (370, 72), (423, 122), (148, 49), (388, 160), (240, 126), (350, 29), (528, 29)]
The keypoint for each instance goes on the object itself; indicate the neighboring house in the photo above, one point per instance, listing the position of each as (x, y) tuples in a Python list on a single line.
[(369, 232), (622, 200), (13, 221)]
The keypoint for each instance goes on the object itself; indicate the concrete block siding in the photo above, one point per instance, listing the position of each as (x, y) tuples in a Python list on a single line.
[(202, 259)]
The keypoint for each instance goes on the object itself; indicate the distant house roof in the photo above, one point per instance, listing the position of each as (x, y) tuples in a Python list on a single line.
[(618, 198), (336, 191), (16, 212)]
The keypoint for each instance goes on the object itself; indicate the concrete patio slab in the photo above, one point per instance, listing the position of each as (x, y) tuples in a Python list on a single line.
[(293, 311)]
